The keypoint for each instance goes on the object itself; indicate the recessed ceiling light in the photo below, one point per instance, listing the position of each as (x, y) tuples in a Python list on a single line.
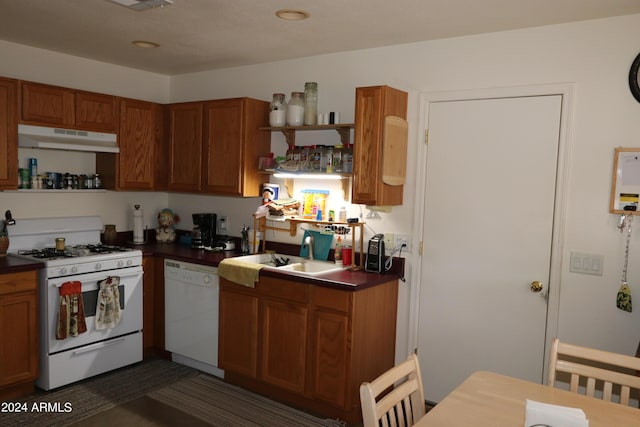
[(144, 44), (292, 14)]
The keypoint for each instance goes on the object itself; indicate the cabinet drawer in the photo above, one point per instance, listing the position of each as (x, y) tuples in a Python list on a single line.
[(284, 289), (18, 282), (331, 298)]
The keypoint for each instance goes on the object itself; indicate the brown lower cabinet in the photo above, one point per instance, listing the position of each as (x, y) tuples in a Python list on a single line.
[(18, 333), (153, 308), (307, 345)]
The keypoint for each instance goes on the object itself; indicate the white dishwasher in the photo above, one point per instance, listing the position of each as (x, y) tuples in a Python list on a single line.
[(191, 302)]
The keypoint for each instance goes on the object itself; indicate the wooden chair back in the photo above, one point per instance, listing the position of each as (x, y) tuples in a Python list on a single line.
[(593, 372), (395, 398)]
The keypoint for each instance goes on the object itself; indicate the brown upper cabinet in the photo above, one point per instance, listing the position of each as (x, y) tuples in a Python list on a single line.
[(68, 108), (232, 145), (374, 105), (136, 166), (8, 134), (184, 122)]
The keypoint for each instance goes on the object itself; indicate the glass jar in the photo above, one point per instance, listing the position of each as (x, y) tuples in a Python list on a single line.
[(278, 113), (328, 156), (337, 158), (295, 109), (347, 158), (110, 234), (310, 103)]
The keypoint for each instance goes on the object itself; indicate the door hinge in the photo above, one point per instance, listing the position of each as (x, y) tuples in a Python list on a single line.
[(420, 247), (426, 136)]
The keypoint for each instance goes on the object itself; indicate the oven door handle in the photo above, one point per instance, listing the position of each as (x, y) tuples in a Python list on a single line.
[(98, 346), (59, 282)]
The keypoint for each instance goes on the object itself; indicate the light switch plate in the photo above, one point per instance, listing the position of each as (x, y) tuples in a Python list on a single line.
[(584, 263)]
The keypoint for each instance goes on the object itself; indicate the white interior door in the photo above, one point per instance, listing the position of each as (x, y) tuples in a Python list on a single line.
[(487, 233)]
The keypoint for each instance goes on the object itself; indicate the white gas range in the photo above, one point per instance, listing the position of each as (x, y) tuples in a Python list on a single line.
[(86, 266)]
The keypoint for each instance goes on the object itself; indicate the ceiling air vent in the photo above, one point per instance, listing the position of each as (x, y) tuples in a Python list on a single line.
[(140, 5)]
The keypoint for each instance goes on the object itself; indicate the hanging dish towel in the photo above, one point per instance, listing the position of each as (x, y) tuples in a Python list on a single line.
[(108, 311), (71, 311)]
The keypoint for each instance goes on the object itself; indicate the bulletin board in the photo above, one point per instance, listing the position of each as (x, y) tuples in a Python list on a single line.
[(625, 185)]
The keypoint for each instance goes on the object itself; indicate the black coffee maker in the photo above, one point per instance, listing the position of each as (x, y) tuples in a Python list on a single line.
[(207, 223)]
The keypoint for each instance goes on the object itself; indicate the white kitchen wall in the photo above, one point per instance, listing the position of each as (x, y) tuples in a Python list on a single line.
[(593, 55)]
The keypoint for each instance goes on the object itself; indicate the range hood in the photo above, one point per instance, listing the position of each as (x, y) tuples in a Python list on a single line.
[(66, 139)]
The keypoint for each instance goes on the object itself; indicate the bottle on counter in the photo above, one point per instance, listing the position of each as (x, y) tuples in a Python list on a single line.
[(244, 246), (338, 251)]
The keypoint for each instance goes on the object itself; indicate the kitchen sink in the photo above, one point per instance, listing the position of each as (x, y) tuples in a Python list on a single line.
[(267, 259), (313, 267), (295, 264)]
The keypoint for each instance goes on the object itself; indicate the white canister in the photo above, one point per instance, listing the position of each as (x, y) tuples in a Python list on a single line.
[(295, 109)]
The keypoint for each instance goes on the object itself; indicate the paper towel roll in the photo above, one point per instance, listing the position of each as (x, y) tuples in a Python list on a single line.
[(138, 232)]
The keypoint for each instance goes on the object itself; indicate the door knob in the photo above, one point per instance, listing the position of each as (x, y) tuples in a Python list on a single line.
[(536, 286)]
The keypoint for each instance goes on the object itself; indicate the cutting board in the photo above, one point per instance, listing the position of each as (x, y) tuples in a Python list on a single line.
[(394, 150)]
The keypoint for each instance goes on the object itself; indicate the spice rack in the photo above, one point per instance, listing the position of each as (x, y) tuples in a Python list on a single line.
[(260, 224)]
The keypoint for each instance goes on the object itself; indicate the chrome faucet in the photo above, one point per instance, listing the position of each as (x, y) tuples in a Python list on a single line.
[(309, 242)]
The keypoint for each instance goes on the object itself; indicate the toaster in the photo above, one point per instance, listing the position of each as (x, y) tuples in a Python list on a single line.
[(375, 254)]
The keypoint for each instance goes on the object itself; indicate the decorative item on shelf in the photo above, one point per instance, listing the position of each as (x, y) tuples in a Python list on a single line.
[(270, 192), (166, 233), (310, 103), (314, 201), (278, 113), (295, 109)]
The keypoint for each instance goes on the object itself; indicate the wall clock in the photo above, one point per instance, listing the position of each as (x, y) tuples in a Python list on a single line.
[(634, 78)]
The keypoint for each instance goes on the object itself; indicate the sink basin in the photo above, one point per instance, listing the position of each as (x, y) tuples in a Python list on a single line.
[(267, 259), (313, 268), (297, 264)]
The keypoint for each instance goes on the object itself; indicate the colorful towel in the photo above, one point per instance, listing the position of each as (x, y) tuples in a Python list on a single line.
[(321, 245), (108, 311), (71, 321), (244, 273)]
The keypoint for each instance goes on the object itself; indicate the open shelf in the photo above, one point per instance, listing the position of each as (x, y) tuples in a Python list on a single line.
[(289, 132)]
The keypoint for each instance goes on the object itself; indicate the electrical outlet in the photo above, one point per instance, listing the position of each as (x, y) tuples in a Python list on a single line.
[(389, 239), (223, 225), (400, 237)]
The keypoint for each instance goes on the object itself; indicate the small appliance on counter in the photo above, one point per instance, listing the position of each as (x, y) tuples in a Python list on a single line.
[(375, 254), (226, 243), (207, 224)]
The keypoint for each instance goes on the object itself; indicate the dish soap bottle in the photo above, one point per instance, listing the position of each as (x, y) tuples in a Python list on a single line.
[(338, 251)]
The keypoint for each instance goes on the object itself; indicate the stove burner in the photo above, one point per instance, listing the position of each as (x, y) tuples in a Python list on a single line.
[(46, 253), (72, 251)]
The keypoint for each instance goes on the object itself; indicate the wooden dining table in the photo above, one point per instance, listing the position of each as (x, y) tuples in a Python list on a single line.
[(487, 399)]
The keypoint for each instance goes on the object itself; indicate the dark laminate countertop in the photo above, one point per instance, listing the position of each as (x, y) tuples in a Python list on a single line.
[(346, 279), (13, 264)]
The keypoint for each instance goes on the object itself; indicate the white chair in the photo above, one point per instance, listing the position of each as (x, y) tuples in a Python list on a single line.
[(395, 398), (594, 372)]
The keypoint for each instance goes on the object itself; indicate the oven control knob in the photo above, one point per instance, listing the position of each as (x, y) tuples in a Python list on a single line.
[(74, 269), (206, 279), (98, 266), (63, 271), (129, 263), (120, 264)]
